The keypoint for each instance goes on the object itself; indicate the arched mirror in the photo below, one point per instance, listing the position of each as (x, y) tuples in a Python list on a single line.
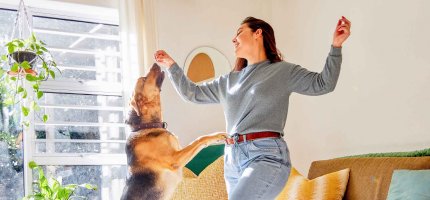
[(205, 63)]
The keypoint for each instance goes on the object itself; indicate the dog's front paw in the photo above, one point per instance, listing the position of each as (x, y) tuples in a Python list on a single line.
[(218, 137)]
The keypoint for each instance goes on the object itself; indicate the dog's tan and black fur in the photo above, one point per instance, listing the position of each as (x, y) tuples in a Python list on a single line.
[(154, 157)]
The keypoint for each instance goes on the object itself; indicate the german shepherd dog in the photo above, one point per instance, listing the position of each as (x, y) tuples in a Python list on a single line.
[(155, 159)]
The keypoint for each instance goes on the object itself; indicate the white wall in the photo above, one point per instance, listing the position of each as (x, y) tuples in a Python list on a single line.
[(381, 100), (380, 103)]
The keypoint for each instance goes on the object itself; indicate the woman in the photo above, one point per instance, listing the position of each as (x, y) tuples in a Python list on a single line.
[(255, 98)]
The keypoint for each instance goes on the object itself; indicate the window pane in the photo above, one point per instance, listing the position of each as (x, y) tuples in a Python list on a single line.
[(80, 42), (80, 132), (78, 115), (81, 100), (11, 154), (7, 17), (79, 147), (63, 25)]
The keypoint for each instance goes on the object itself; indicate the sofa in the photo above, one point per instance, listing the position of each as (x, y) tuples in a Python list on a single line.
[(369, 176)]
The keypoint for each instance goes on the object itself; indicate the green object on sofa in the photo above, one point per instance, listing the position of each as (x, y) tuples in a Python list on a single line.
[(410, 185), (418, 153), (205, 157)]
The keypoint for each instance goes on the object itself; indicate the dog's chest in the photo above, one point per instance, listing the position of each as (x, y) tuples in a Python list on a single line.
[(170, 179)]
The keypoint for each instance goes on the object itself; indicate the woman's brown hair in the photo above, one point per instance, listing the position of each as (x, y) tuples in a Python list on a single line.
[(269, 42)]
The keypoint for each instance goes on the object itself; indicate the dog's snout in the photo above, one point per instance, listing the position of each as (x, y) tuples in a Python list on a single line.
[(155, 67)]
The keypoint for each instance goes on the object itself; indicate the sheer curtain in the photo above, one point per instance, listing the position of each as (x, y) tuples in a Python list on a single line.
[(138, 38)]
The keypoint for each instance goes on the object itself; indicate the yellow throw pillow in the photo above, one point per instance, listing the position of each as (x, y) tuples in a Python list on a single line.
[(328, 187)]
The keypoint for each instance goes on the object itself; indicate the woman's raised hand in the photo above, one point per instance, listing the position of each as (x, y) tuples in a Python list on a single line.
[(163, 59), (342, 32)]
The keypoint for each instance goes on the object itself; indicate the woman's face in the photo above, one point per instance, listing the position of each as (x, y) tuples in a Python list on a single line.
[(244, 41)]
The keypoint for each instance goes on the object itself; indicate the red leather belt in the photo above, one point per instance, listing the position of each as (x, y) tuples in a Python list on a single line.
[(253, 136)]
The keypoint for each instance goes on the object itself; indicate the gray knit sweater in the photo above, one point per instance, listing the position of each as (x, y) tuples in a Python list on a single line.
[(256, 98)]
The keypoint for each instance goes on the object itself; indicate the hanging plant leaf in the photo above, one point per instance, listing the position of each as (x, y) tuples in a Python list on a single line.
[(24, 94), (20, 89), (25, 110), (36, 87), (39, 94), (30, 78), (11, 48), (26, 123), (45, 118), (8, 101), (34, 106), (52, 73), (26, 65), (33, 37), (14, 67)]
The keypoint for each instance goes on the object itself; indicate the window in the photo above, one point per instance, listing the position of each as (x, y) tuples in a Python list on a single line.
[(11, 155), (84, 138)]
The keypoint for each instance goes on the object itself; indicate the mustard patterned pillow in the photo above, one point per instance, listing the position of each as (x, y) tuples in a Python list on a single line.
[(327, 187)]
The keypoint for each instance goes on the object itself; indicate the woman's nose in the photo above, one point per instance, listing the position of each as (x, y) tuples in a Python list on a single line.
[(234, 40)]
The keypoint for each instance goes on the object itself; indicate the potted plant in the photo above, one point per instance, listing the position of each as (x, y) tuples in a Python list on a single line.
[(26, 61), (53, 189)]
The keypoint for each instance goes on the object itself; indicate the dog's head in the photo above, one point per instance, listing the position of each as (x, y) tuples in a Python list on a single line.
[(145, 101)]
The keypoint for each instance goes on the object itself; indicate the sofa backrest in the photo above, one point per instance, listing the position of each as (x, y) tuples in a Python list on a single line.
[(369, 178)]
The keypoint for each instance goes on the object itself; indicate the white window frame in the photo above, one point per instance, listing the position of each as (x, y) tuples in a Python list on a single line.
[(81, 13)]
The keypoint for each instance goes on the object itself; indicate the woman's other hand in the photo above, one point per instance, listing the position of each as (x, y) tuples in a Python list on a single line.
[(342, 32), (163, 59)]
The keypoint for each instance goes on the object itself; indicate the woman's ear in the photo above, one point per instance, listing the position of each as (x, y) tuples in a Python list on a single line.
[(258, 33)]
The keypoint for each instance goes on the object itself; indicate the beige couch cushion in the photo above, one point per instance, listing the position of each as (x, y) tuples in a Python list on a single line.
[(209, 185), (369, 178)]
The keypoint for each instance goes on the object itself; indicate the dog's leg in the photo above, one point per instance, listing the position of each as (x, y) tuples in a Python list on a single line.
[(183, 156)]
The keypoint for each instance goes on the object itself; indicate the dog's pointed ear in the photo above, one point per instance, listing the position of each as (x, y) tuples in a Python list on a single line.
[(135, 106)]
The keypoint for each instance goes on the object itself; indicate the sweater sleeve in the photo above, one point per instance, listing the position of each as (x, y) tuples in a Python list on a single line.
[(311, 83), (205, 93)]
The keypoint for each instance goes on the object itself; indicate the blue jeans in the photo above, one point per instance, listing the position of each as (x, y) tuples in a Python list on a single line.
[(257, 169)]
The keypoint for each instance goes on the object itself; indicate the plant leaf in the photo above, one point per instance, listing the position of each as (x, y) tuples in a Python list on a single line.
[(33, 37), (25, 110), (45, 118), (34, 106), (26, 123), (36, 87), (20, 89), (30, 78), (89, 186), (14, 67), (52, 73), (8, 101), (26, 65), (39, 94), (44, 65), (24, 94), (32, 165), (11, 48)]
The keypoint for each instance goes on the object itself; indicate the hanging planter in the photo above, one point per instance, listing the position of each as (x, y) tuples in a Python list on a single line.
[(24, 55), (20, 57), (26, 63)]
